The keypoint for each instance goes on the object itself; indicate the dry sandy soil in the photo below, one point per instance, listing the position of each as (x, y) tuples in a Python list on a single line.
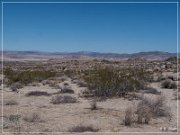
[(60, 118)]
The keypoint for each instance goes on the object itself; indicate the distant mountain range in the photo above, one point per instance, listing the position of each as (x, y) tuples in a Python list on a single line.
[(33, 55)]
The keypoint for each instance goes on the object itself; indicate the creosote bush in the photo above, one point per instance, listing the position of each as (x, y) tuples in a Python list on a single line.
[(37, 93), (110, 82), (168, 84), (67, 90), (28, 76), (63, 99)]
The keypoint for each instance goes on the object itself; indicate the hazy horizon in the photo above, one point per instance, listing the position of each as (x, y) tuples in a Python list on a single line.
[(83, 51)]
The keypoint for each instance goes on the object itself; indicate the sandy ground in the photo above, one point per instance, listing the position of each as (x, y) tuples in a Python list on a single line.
[(60, 118)]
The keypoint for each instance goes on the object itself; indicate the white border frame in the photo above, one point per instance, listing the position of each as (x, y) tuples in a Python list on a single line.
[(177, 32)]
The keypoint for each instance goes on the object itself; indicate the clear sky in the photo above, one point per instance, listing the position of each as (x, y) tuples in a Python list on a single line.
[(119, 28)]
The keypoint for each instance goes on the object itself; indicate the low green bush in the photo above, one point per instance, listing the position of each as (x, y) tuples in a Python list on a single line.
[(109, 82), (28, 76)]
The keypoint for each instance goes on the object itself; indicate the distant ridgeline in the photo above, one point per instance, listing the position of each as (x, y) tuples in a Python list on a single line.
[(153, 55)]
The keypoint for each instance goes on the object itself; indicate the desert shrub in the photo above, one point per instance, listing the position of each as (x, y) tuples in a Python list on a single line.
[(28, 76), (34, 117), (81, 83), (169, 84), (66, 84), (83, 129), (93, 105), (148, 108), (151, 90), (11, 102), (144, 114), (129, 116), (109, 82), (37, 93), (67, 90), (69, 73), (63, 99), (171, 77), (15, 86), (13, 117), (13, 121)]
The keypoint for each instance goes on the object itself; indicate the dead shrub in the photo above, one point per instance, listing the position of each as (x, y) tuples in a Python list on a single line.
[(129, 116), (143, 112), (148, 108), (83, 129), (63, 99), (37, 93)]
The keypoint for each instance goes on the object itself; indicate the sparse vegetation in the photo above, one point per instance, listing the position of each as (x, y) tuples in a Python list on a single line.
[(83, 129), (13, 120), (37, 93), (63, 99), (87, 92)]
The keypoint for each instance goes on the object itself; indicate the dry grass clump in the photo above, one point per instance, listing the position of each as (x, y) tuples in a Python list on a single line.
[(11, 102), (34, 117), (144, 113), (129, 116), (148, 108), (111, 82), (63, 99), (169, 84), (37, 93), (83, 129)]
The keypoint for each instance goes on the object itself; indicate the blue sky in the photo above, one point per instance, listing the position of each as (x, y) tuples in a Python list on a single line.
[(119, 28)]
